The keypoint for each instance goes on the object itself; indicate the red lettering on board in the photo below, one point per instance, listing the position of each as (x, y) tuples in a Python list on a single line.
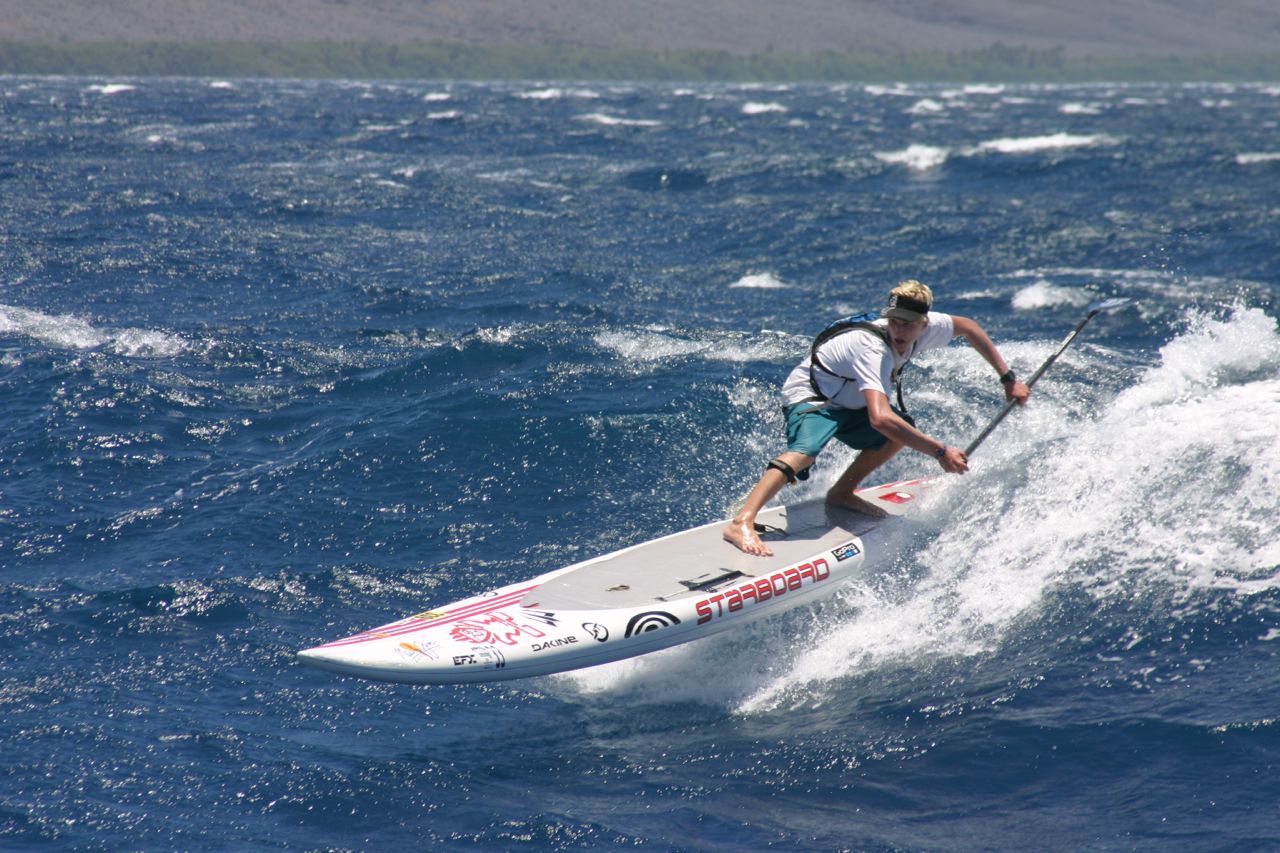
[(793, 578), (764, 590), (759, 591), (704, 612)]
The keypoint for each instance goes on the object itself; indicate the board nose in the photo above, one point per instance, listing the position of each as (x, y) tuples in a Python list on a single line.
[(369, 660), (322, 658)]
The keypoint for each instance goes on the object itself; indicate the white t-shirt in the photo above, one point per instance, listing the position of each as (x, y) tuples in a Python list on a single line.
[(866, 361)]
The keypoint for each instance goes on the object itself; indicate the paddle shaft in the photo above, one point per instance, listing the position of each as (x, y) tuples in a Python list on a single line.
[(1008, 407)]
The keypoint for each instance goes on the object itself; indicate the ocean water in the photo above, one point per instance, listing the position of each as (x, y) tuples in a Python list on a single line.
[(281, 361)]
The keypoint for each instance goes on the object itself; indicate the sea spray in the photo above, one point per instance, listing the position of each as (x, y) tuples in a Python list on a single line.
[(1087, 501)]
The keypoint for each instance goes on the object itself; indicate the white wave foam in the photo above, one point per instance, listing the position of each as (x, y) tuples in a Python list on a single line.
[(145, 343), (1168, 494), (110, 88), (755, 108), (971, 295), (1032, 144), (70, 332), (155, 134), (918, 157), (615, 121), (1169, 287), (549, 94), (1208, 356), (1172, 491), (1043, 294), (554, 93), (760, 281), (646, 348), (892, 91), (1252, 159), (1177, 484), (1078, 109), (925, 106)]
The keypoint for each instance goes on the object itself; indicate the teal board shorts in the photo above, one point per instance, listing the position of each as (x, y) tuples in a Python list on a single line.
[(810, 428)]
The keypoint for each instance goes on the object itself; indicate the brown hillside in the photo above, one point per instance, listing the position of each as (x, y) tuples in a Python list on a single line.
[(1082, 27)]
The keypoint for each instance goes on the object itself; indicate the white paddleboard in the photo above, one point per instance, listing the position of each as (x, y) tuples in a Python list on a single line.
[(657, 594)]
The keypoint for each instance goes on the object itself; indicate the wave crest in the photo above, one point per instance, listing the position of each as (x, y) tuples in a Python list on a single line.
[(67, 331)]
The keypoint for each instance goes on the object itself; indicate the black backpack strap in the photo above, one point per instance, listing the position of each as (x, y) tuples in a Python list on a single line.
[(840, 327)]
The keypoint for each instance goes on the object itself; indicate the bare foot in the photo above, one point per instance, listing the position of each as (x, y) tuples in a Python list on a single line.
[(742, 535), (857, 504)]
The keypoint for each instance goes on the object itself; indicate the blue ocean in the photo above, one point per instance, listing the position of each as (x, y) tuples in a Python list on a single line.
[(283, 360)]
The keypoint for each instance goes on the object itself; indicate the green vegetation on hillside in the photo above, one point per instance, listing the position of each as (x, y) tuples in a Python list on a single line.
[(437, 60)]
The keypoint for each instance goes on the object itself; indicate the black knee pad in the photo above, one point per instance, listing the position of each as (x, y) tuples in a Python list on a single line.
[(790, 473)]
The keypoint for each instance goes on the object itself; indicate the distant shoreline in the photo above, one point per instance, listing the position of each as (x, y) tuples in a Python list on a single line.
[(453, 61)]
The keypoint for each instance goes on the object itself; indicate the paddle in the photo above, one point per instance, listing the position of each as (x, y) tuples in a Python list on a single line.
[(1094, 310)]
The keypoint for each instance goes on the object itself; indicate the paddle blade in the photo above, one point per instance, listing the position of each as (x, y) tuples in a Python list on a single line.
[(1108, 304)]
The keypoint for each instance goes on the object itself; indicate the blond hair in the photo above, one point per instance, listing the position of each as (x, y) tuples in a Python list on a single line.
[(913, 289)]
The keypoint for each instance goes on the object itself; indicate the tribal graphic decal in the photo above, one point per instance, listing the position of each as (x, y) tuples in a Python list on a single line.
[(652, 620)]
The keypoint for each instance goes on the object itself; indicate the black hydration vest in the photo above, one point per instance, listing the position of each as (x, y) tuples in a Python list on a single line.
[(839, 327)]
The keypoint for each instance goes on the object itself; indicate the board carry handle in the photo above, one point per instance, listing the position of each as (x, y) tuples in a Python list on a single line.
[(1095, 309)]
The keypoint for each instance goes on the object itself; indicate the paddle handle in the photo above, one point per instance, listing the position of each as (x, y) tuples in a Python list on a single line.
[(1094, 310)]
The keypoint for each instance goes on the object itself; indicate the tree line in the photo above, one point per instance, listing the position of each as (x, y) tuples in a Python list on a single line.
[(452, 61)]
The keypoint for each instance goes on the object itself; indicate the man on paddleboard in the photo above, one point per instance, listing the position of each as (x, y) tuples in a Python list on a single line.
[(841, 390)]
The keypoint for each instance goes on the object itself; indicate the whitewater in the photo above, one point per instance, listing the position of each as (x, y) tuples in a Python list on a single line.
[(286, 360)]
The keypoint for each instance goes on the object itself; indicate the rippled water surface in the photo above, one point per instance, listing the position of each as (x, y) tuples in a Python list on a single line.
[(281, 361)]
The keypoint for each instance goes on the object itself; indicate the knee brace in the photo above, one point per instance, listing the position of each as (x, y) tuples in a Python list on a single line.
[(787, 471)]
